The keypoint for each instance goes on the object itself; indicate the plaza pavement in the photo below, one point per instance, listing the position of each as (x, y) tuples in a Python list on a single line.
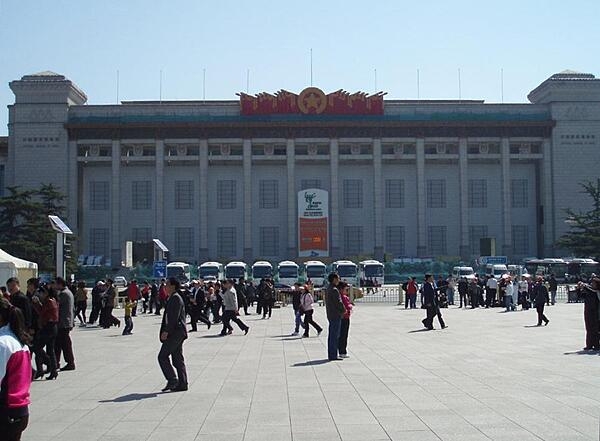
[(487, 377)]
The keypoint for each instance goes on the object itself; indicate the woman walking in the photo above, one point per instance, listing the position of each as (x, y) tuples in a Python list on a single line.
[(81, 303), (15, 372), (306, 302), (343, 343), (43, 345)]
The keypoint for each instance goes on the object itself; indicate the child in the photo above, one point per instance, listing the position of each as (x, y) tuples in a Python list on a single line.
[(128, 320)]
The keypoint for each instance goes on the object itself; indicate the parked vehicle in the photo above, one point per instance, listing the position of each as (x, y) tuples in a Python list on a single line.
[(180, 270), (236, 270), (370, 273), (287, 272), (459, 272), (496, 271), (210, 270), (120, 282), (316, 272), (347, 270), (261, 270)]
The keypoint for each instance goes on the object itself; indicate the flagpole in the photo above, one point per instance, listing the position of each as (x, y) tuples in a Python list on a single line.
[(248, 81), (502, 85), (203, 84), (160, 88), (375, 80), (459, 87), (311, 67), (117, 86), (418, 86)]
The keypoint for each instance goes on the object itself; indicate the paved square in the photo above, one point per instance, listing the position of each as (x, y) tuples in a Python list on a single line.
[(487, 377)]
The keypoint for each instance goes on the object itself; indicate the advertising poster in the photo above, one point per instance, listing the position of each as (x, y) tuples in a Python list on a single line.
[(313, 223)]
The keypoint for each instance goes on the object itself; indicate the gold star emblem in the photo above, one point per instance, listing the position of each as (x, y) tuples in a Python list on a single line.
[(312, 100)]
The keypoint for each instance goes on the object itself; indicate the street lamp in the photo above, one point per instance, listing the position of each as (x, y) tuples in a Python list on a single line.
[(62, 230)]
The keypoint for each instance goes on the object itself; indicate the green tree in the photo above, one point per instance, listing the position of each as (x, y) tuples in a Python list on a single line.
[(24, 227), (583, 239)]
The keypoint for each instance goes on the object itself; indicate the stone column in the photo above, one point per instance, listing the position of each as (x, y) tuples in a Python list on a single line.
[(247, 161), (547, 199), (334, 244), (421, 199), (203, 201), (160, 191), (378, 200), (463, 176), (292, 250), (73, 197), (506, 201), (115, 205)]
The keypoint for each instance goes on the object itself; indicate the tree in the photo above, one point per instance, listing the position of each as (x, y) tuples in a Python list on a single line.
[(24, 227), (583, 239)]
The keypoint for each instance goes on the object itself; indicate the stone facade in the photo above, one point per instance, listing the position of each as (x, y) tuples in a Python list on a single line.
[(427, 178)]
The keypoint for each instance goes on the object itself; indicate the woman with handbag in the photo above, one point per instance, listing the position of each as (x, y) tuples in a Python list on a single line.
[(306, 307)]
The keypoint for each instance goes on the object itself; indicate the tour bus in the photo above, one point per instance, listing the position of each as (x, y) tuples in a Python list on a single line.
[(236, 270), (545, 267), (261, 270), (211, 271), (180, 270), (287, 272), (370, 273), (316, 272), (347, 270), (581, 269)]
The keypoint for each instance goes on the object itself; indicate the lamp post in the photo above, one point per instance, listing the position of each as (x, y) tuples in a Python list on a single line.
[(62, 231)]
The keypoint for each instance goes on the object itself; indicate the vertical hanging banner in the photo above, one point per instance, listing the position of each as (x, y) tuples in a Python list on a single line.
[(313, 223)]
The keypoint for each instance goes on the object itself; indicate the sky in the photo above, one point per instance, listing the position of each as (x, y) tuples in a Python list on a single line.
[(207, 48)]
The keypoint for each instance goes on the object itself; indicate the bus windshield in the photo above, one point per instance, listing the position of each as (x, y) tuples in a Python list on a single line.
[(209, 271), (288, 272), (262, 271), (315, 271), (235, 272), (346, 270), (373, 271), (176, 271)]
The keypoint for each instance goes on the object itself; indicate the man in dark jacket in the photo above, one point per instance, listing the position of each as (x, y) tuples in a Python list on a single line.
[(552, 287), (20, 300), (429, 301), (540, 294), (65, 325), (240, 289), (591, 299), (173, 333), (335, 312), (463, 289), (296, 297)]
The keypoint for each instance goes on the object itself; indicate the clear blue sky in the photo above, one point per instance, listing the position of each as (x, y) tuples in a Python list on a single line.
[(88, 41)]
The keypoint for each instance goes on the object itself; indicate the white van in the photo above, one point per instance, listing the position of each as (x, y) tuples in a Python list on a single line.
[(496, 271), (459, 272)]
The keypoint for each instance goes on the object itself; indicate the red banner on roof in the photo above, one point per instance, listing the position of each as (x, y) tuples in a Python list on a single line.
[(312, 101)]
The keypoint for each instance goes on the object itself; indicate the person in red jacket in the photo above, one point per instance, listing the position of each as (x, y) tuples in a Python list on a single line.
[(15, 372), (343, 342), (46, 308), (162, 296), (134, 294)]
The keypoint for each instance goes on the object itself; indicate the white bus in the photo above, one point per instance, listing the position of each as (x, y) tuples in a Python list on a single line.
[(180, 270), (316, 272), (370, 273), (261, 270), (347, 270), (287, 272), (236, 270), (211, 271)]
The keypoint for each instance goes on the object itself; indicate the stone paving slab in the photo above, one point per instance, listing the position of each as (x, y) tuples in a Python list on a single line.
[(489, 376)]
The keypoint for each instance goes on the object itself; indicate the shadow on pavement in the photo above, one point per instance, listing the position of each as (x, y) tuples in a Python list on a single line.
[(311, 363), (582, 352), (130, 397), (419, 330)]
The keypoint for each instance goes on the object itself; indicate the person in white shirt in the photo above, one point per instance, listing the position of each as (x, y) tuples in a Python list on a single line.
[(230, 310), (523, 287), (508, 294), (490, 292)]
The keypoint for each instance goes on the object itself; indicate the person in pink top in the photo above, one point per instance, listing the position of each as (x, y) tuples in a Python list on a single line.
[(343, 342), (15, 372)]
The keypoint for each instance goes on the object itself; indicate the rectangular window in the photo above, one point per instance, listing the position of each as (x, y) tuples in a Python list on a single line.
[(394, 240), (269, 241), (519, 193), (353, 197), (141, 234), (184, 195), (141, 195), (226, 241), (99, 242), (268, 193), (476, 232), (353, 240), (99, 192), (226, 195), (394, 193), (477, 193), (520, 239), (305, 184), (437, 241), (436, 193), (184, 242)]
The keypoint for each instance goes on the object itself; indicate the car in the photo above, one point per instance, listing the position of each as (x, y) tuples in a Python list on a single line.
[(120, 282)]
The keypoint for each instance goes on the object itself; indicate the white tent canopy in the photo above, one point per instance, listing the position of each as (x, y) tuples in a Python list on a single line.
[(11, 266)]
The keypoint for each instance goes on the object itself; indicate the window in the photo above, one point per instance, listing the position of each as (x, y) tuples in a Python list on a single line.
[(477, 193), (305, 184), (99, 242), (437, 241), (519, 193), (353, 240), (99, 195), (394, 193), (520, 239), (226, 241), (184, 242), (269, 241), (436, 193), (394, 240), (226, 195), (268, 193), (2, 181), (184, 195), (141, 195), (476, 232), (353, 197), (141, 234)]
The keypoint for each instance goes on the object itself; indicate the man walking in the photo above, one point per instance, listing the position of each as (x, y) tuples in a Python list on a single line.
[(335, 312), (65, 324), (431, 304), (463, 289), (552, 287), (173, 333), (540, 294), (230, 310)]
